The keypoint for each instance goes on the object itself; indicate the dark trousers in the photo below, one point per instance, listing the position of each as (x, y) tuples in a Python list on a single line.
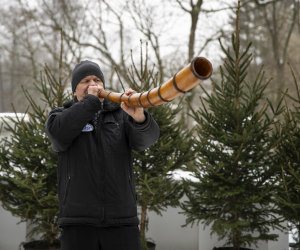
[(83, 237)]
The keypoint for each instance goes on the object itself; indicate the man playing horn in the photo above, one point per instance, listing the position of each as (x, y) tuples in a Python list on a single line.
[(94, 139)]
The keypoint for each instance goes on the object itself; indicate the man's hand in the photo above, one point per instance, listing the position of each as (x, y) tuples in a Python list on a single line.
[(136, 113), (94, 89)]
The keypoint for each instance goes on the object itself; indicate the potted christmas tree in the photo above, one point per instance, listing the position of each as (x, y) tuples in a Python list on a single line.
[(235, 148), (288, 162), (155, 185), (28, 183)]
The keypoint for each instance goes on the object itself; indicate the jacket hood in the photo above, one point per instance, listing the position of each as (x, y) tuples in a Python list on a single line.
[(107, 104)]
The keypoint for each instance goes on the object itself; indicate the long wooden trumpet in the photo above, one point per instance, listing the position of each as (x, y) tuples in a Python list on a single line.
[(189, 77)]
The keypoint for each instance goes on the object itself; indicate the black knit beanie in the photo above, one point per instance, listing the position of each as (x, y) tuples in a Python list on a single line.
[(83, 69)]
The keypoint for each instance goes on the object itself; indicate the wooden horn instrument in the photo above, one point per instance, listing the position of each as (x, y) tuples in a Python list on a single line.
[(189, 77)]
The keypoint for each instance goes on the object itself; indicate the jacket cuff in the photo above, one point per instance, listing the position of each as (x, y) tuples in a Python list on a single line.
[(93, 100), (140, 124)]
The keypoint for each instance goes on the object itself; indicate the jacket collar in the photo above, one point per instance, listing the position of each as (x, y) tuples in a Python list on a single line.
[(107, 104)]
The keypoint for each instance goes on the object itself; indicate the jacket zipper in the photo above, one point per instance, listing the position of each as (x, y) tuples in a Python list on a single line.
[(103, 196), (102, 173), (103, 187)]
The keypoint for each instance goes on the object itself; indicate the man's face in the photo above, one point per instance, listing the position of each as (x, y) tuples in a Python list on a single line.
[(82, 87)]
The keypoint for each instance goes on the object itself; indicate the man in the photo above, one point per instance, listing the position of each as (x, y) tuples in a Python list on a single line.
[(94, 139)]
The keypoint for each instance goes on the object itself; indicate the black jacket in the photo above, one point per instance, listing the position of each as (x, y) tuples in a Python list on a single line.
[(95, 177)]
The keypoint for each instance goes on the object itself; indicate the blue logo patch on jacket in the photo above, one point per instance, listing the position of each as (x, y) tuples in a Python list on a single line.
[(88, 127)]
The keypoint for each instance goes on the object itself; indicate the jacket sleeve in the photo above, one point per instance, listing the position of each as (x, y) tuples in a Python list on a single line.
[(64, 125), (141, 136)]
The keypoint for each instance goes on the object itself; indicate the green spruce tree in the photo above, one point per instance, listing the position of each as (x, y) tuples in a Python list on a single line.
[(28, 181), (288, 160), (235, 148), (155, 185)]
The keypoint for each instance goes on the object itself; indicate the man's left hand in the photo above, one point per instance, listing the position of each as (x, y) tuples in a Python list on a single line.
[(136, 113)]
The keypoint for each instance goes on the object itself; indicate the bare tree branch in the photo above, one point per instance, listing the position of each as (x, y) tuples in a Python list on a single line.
[(182, 7)]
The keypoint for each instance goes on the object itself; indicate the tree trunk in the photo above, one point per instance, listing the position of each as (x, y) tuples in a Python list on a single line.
[(235, 240), (195, 11), (194, 18), (13, 67), (143, 216), (1, 86)]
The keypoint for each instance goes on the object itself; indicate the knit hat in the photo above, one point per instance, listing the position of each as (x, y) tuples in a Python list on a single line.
[(83, 69)]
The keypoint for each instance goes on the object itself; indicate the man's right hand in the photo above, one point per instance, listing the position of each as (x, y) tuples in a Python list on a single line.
[(94, 89)]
